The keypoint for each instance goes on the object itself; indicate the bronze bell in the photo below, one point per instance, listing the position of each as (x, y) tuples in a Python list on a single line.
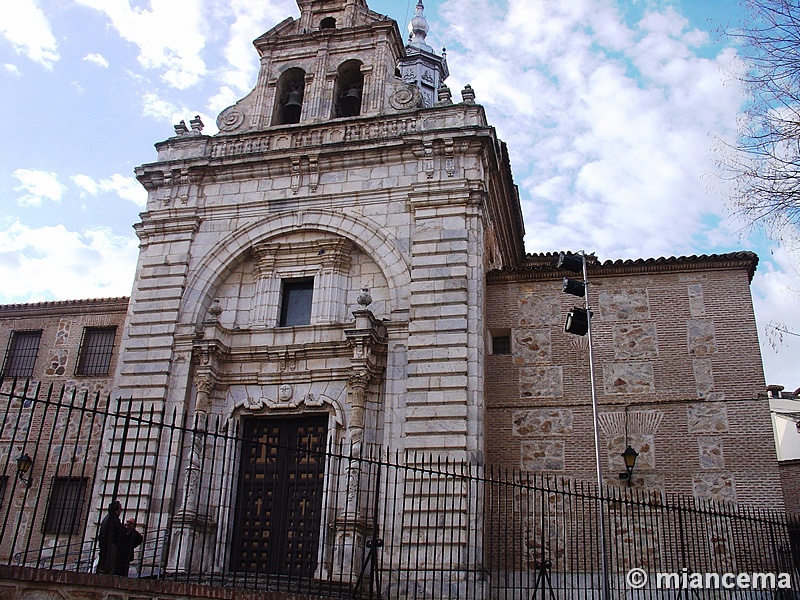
[(351, 102), (292, 108)]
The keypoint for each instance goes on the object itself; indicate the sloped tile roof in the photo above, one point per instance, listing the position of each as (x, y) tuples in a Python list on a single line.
[(542, 265)]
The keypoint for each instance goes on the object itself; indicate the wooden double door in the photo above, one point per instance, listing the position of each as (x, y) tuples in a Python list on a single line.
[(278, 511)]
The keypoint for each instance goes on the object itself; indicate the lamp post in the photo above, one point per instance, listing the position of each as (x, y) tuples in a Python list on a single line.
[(579, 322)]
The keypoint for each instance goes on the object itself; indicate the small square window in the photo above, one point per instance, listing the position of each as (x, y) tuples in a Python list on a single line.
[(501, 344), (65, 506), (296, 302), (97, 346), (23, 347)]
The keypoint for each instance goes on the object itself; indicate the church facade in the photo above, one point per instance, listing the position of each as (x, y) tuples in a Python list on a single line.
[(343, 263)]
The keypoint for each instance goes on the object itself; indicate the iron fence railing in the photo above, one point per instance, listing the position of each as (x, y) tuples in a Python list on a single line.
[(225, 503)]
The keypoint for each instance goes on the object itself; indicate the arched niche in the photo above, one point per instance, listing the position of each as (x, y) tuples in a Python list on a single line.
[(221, 261), (289, 97), (327, 23), (348, 89)]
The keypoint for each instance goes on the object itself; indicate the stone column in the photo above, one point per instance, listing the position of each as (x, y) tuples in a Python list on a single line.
[(267, 285)]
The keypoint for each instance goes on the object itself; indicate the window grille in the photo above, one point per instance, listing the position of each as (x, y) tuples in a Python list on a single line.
[(501, 344), (296, 302), (65, 506), (97, 346), (23, 347)]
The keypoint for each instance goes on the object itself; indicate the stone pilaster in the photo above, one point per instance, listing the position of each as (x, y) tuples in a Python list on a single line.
[(193, 529), (445, 344), (368, 340)]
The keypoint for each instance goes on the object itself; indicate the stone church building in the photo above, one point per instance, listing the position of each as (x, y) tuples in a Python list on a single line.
[(344, 261)]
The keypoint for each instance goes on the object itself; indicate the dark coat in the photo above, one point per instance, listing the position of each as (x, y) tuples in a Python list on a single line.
[(108, 540), (129, 539)]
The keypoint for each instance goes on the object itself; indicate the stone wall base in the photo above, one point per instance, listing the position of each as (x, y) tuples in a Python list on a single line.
[(25, 583)]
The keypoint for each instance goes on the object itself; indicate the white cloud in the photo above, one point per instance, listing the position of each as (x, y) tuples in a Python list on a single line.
[(170, 36), (126, 188), (28, 30), (610, 125), (153, 106), (37, 185), (97, 59), (12, 69), (49, 263)]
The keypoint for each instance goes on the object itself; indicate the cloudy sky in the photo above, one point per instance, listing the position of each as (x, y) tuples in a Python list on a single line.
[(615, 112)]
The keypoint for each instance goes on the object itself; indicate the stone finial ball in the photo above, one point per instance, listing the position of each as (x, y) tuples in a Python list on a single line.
[(364, 298)]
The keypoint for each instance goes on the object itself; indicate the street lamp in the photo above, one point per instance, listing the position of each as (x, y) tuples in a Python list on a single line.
[(24, 464), (629, 456), (579, 322)]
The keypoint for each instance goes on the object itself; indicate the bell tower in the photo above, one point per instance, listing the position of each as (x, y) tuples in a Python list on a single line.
[(337, 60)]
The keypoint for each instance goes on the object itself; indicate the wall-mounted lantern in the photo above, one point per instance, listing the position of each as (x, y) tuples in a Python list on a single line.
[(629, 456), (24, 465)]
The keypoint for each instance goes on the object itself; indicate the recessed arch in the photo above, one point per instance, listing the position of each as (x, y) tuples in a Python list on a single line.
[(327, 23), (367, 235), (289, 96), (347, 94)]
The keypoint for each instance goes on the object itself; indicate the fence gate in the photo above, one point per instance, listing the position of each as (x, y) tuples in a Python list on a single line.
[(279, 506)]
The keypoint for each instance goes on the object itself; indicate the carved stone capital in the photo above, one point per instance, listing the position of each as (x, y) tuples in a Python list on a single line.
[(205, 383), (359, 378)]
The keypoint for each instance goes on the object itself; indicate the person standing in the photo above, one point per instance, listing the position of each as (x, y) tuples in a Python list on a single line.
[(108, 538), (129, 539)]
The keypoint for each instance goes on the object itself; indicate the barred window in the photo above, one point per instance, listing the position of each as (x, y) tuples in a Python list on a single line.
[(501, 344), (23, 347), (97, 346), (296, 302), (65, 506)]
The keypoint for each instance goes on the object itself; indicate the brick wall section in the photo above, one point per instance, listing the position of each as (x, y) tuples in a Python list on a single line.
[(62, 325), (790, 478), (676, 357), (18, 583)]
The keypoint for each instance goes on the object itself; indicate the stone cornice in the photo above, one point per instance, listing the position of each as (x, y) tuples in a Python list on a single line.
[(540, 266), (343, 135), (163, 222)]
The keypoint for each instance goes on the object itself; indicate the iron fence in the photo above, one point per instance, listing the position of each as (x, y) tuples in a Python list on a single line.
[(230, 502)]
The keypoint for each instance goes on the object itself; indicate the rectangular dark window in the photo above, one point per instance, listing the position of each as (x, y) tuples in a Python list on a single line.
[(65, 506), (97, 346), (501, 344), (296, 302), (23, 347), (3, 486)]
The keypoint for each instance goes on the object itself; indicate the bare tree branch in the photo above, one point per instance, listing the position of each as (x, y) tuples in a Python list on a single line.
[(765, 163)]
